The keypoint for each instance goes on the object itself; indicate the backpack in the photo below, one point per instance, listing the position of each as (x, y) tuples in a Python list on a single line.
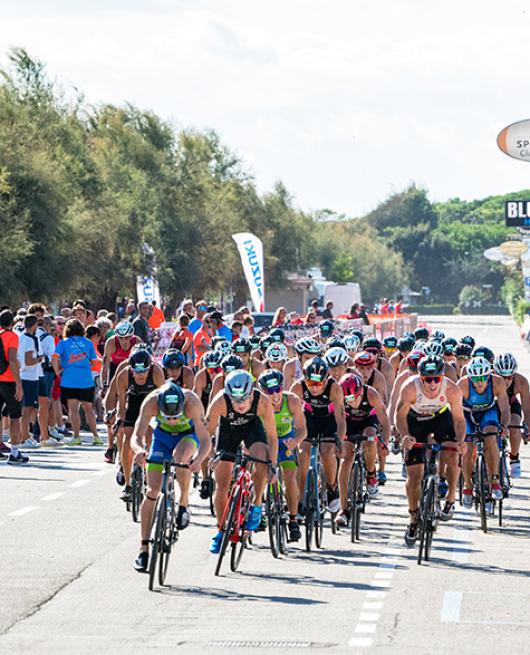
[(4, 363)]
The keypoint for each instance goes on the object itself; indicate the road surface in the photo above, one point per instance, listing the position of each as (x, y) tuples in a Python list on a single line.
[(68, 586)]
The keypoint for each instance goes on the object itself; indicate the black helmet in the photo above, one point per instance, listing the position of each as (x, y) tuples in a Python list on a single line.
[(212, 359), (264, 343), (449, 344), (170, 400), (390, 342), (469, 340), (254, 341), (239, 385), (277, 335), (483, 351), (231, 363), (173, 358), (421, 333), (406, 344), (409, 335), (464, 350), (217, 339), (316, 369), (241, 345), (438, 335), (271, 380), (140, 360), (358, 333), (326, 328), (335, 342), (432, 365), (372, 344)]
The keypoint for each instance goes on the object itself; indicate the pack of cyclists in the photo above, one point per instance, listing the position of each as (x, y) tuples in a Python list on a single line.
[(275, 397)]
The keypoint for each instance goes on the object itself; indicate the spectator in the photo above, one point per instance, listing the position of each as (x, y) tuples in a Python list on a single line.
[(280, 317), (11, 387), (73, 360), (354, 311), (104, 326), (311, 318), (248, 326), (130, 311), (237, 329), (80, 313), (294, 319), (66, 312), (398, 306), (60, 322), (182, 338), (187, 307), (113, 318), (327, 313), (30, 357), (157, 317), (244, 310), (202, 339), (46, 380), (315, 308), (363, 315), (102, 313), (220, 326), (196, 322), (140, 324), (93, 334)]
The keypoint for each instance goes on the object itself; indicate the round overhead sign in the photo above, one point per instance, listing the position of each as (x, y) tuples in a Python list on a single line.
[(514, 140), (513, 248)]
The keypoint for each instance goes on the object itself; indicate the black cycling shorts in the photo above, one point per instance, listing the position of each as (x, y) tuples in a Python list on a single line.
[(132, 410), (10, 406), (229, 439), (356, 428), (440, 425), (324, 425), (515, 408)]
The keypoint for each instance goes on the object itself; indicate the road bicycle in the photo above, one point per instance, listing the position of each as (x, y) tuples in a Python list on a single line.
[(164, 531), (277, 517), (357, 489), (138, 482)]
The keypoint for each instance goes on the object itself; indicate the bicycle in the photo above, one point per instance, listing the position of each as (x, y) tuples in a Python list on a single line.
[(357, 491), (277, 518), (237, 508), (315, 493), (481, 483), (137, 491), (164, 531)]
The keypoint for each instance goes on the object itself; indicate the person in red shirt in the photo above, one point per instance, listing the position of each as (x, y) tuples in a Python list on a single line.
[(182, 338), (11, 386), (157, 317), (202, 339)]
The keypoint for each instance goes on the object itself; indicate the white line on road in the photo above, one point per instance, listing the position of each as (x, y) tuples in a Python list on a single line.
[(372, 606), (79, 483), (452, 604), (369, 616), (23, 510), (54, 496), (360, 642), (375, 594), (365, 628)]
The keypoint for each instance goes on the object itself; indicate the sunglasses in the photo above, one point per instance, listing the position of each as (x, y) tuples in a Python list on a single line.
[(372, 351), (315, 383), (432, 379), (215, 369), (390, 350), (168, 418), (272, 390), (207, 325), (479, 378)]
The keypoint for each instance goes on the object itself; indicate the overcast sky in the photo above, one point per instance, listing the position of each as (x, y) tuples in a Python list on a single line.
[(345, 101)]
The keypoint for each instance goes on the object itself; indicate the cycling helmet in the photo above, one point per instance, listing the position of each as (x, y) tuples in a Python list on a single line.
[(170, 400), (483, 351), (254, 341), (390, 343), (449, 344), (271, 381), (264, 343), (364, 359), (217, 339), (431, 365), (140, 361), (505, 364), (479, 367), (421, 333), (239, 385), (241, 345), (335, 342), (438, 335), (124, 329), (224, 347), (326, 328), (413, 359), (409, 335), (173, 358), (352, 343), (433, 349), (463, 350), (315, 369), (352, 385), (336, 357), (231, 363), (277, 335), (469, 340), (405, 344), (307, 346), (372, 344), (359, 334), (141, 346), (277, 352), (212, 359)]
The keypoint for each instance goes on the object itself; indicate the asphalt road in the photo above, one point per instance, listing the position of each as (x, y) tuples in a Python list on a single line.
[(68, 586)]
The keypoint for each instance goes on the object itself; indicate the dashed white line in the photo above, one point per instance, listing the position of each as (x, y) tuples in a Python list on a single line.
[(360, 642), (369, 616), (79, 483), (365, 628), (367, 605), (23, 510), (54, 496), (451, 607)]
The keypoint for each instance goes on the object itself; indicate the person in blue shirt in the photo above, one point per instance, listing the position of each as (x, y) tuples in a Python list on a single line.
[(201, 308), (72, 360), (220, 326)]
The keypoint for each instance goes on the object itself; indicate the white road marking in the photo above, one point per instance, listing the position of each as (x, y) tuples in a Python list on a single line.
[(23, 510), (79, 483), (365, 628), (360, 642), (369, 616), (54, 496), (375, 594), (367, 605), (452, 604)]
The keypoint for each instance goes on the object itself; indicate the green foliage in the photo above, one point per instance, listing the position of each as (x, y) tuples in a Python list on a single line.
[(522, 310)]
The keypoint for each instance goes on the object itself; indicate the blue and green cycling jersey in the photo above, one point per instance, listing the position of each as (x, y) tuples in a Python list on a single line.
[(183, 424), (284, 418)]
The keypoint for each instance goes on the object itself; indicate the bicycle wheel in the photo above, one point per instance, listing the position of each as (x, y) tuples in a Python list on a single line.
[(211, 496), (322, 488), (229, 526), (426, 510), (137, 484), (155, 542), (310, 508), (483, 488), (168, 537), (242, 537), (461, 489), (273, 519), (356, 502), (431, 519)]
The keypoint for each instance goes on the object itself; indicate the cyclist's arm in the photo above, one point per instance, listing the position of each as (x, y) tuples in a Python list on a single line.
[(376, 402), (187, 378), (198, 383), (109, 402), (266, 413), (299, 422), (216, 409), (110, 349), (158, 375), (121, 388), (398, 384), (195, 411), (405, 401), (148, 409), (450, 372), (337, 397), (463, 385), (499, 390), (217, 386), (454, 396), (297, 390), (523, 389), (380, 385)]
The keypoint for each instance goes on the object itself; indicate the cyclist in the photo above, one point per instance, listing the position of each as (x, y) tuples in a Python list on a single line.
[(375, 347), (484, 397), (352, 343), (389, 346), (463, 354), (365, 413), (435, 348), (405, 345), (117, 350), (518, 391), (180, 435), (276, 357), (305, 348), (228, 364), (133, 384), (292, 430), (264, 343), (323, 403), (175, 369), (243, 415), (421, 334), (429, 404), (412, 360), (337, 360), (243, 348), (449, 345), (204, 377), (325, 331)]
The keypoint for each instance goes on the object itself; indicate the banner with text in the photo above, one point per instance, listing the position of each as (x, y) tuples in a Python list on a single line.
[(251, 251), (147, 290)]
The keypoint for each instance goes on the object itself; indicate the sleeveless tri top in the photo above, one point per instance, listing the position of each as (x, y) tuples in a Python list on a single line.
[(429, 406)]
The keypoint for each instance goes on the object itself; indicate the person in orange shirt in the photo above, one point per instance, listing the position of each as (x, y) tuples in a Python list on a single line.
[(157, 317), (182, 338), (202, 339), (11, 385)]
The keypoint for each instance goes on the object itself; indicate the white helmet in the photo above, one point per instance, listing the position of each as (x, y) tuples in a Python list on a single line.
[(277, 352), (478, 367), (505, 364), (336, 357), (307, 346), (352, 343), (433, 349), (223, 347), (124, 329)]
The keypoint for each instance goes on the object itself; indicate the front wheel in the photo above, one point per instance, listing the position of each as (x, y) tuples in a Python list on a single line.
[(483, 485), (273, 519), (137, 484), (239, 546), (156, 540), (356, 502), (229, 527), (310, 507), (322, 504)]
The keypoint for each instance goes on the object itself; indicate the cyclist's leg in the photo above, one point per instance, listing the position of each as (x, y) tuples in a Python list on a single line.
[(329, 461), (223, 476), (489, 424), (182, 455), (259, 473), (515, 434), (304, 457), (288, 463), (127, 454), (348, 453), (449, 461), (154, 483)]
